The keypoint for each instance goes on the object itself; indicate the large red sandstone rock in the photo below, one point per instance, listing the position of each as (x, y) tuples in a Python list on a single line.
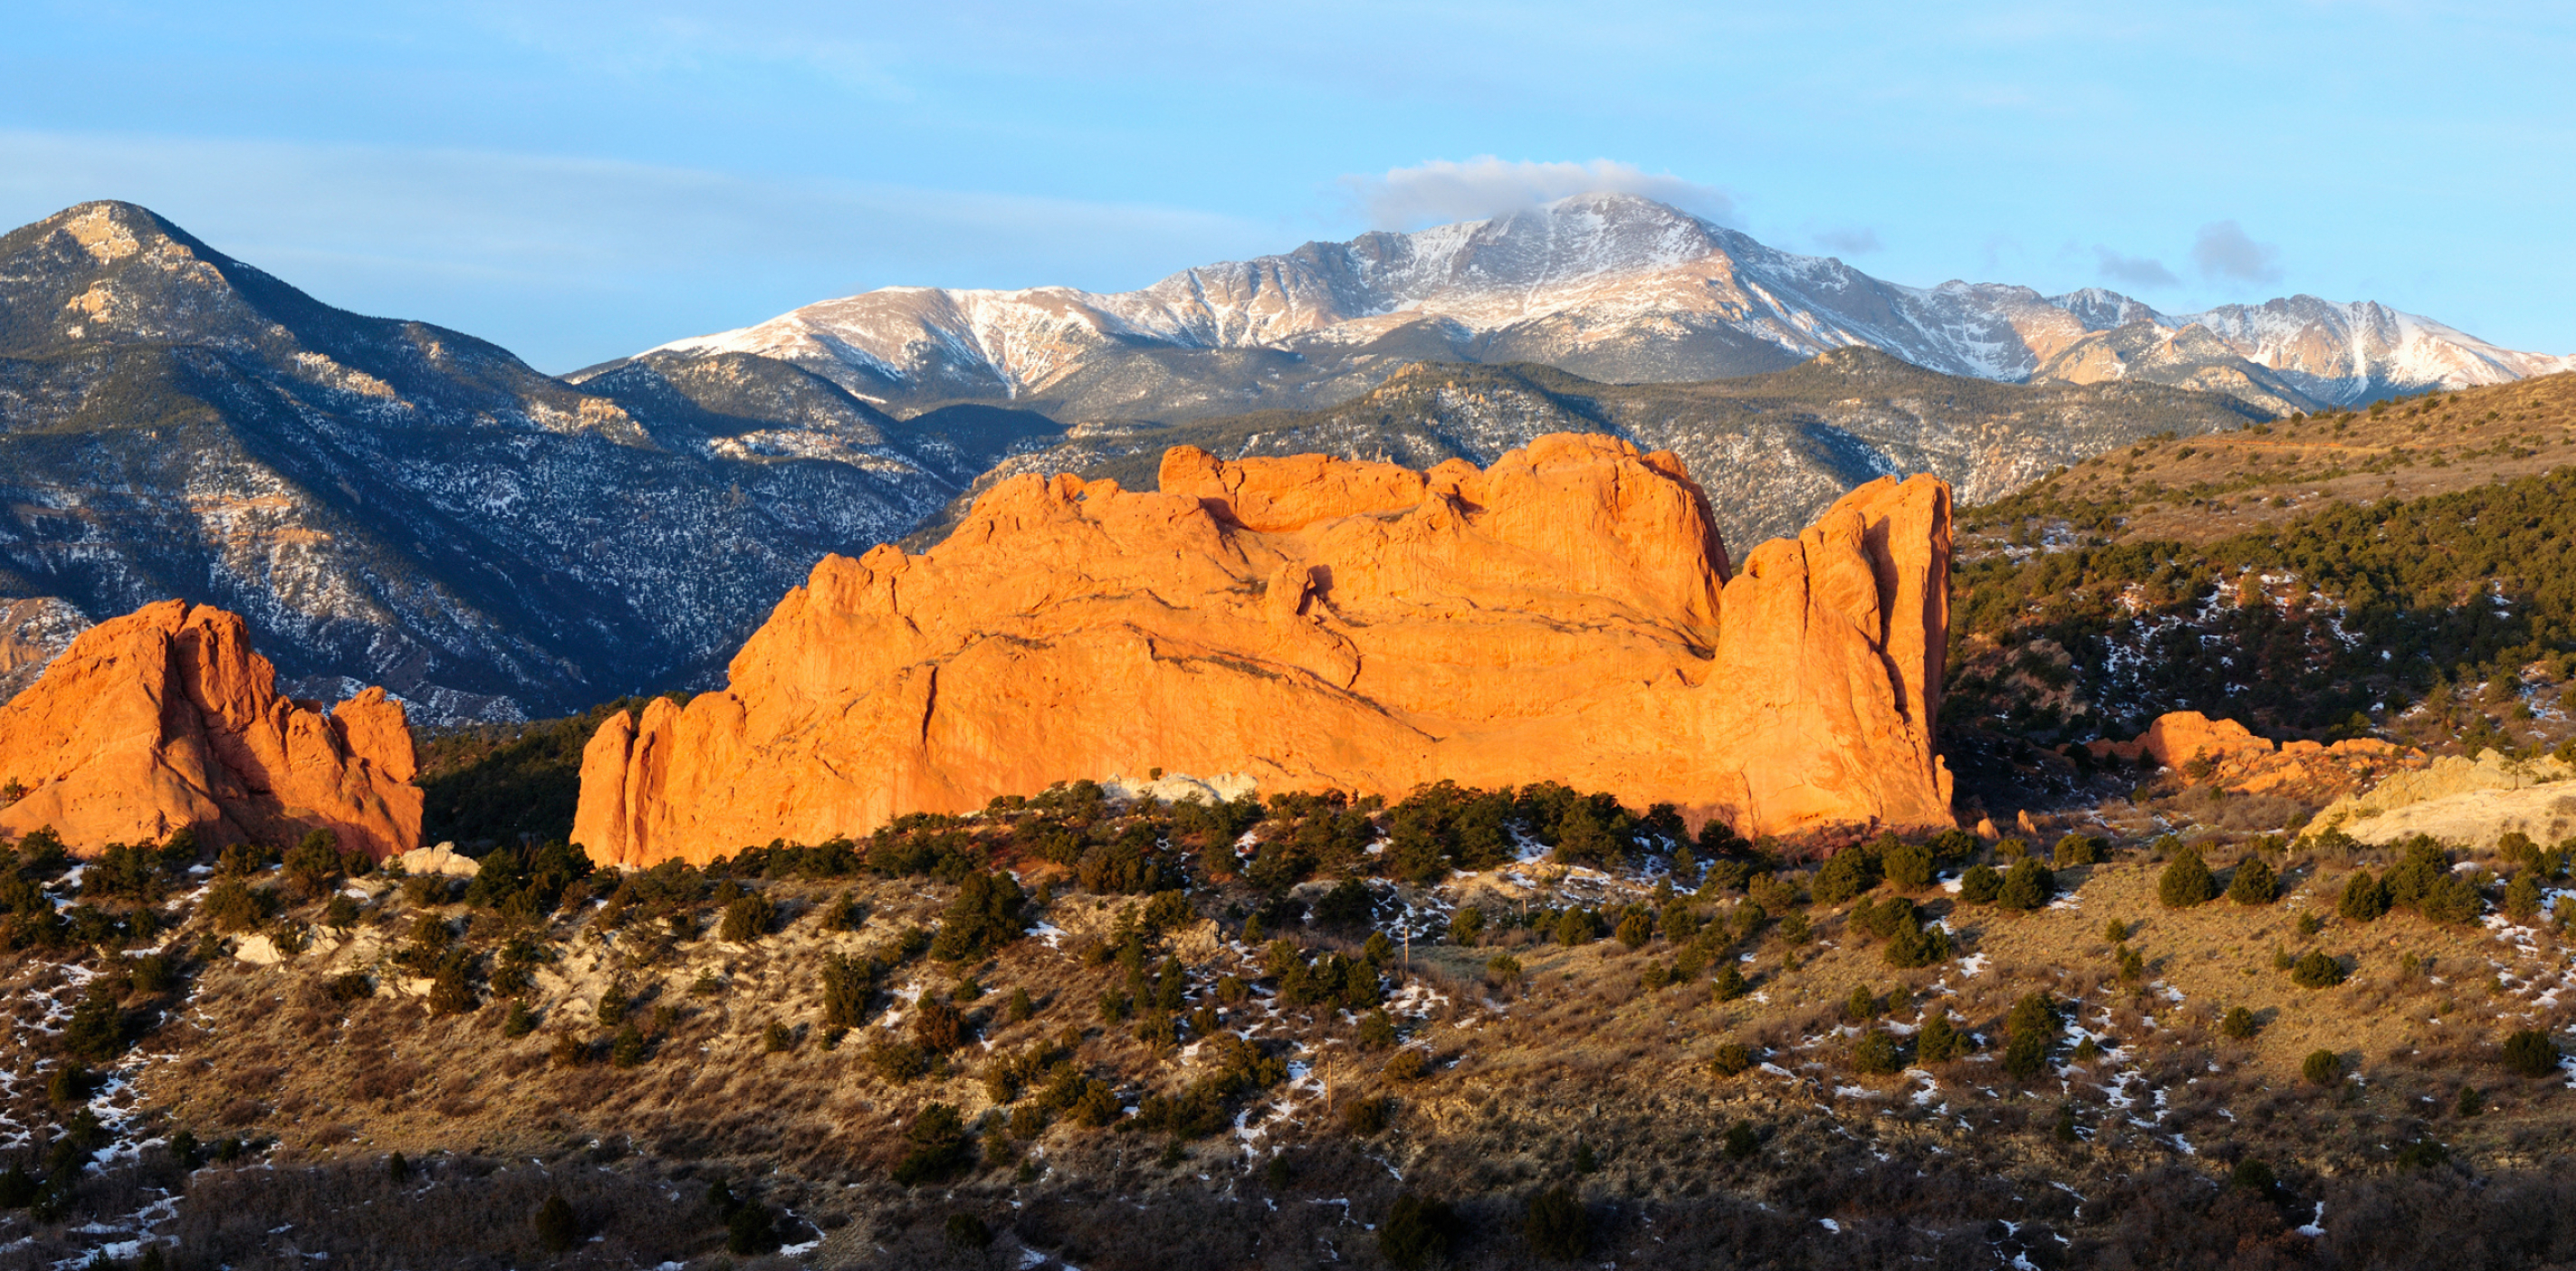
[(1315, 623), (165, 718)]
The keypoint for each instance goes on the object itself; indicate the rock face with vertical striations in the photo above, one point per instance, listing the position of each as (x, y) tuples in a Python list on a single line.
[(1566, 614), (165, 719)]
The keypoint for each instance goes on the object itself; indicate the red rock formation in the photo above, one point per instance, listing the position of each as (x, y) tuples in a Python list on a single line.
[(2243, 761), (2178, 737), (165, 718), (1313, 623)]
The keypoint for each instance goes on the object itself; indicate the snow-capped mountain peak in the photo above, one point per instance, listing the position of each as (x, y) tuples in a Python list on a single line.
[(1612, 286)]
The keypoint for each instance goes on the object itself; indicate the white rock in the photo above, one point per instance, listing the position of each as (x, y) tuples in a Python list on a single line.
[(441, 859)]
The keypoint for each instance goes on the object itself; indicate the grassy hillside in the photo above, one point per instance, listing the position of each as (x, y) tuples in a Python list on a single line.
[(1241, 1036), (2203, 488)]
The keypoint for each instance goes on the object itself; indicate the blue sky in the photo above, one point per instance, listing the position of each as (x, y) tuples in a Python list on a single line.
[(579, 181)]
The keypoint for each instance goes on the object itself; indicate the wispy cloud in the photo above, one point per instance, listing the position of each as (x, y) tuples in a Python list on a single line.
[(2225, 253), (1452, 190), (1850, 242), (2134, 271)]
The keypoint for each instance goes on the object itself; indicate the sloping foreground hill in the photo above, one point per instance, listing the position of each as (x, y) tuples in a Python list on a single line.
[(1274, 1034), (1772, 450), (394, 503)]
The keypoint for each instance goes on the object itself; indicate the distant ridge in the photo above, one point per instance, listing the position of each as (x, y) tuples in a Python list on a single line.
[(1609, 286)]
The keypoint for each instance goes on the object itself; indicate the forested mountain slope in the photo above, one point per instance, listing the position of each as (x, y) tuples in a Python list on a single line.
[(394, 503)]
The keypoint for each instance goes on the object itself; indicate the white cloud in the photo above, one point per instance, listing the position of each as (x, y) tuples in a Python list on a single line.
[(1850, 242), (2134, 271), (1444, 190), (2225, 253)]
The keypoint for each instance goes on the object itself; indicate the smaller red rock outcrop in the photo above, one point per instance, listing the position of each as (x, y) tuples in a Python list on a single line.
[(2178, 737), (2242, 761), (165, 719)]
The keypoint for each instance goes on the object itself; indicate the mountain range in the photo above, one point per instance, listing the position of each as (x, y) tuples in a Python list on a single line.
[(1609, 286), (395, 503), (1771, 450)]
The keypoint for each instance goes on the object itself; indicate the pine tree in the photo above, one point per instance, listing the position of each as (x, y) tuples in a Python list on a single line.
[(1980, 885), (2522, 896), (1878, 1053), (1940, 1041), (2254, 884), (1846, 874), (1862, 1005), (1556, 1226), (2028, 1029), (2186, 882), (1908, 866), (2530, 1052), (557, 1229), (2316, 971), (2364, 898), (939, 1149), (2026, 886), (1576, 927), (2078, 849), (1636, 930), (1416, 1232), (1730, 983), (1466, 926)]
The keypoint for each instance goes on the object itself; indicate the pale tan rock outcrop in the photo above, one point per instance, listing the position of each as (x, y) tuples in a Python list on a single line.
[(2462, 800), (441, 859), (1310, 623), (165, 718)]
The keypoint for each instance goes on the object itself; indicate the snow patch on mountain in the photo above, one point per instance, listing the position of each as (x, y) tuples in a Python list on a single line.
[(1581, 274)]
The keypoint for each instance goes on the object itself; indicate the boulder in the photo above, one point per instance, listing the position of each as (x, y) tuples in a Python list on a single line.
[(442, 859), (1566, 614), (165, 718), (2178, 737)]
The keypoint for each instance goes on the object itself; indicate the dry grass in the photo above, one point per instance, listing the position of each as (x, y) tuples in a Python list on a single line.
[(2289, 467), (1578, 1063)]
